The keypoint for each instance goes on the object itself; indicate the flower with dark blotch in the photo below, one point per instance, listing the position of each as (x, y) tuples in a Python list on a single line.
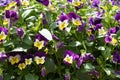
[(91, 37), (40, 41), (88, 56), (76, 19), (3, 33), (68, 57), (67, 76), (40, 57), (21, 65), (81, 27), (4, 2), (44, 2), (20, 32), (117, 17), (28, 59), (116, 57), (14, 57), (113, 30), (43, 71), (108, 39), (95, 3), (62, 22)]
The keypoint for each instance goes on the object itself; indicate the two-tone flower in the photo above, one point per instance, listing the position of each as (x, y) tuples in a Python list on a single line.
[(21, 65), (4, 2), (62, 22), (40, 58), (76, 3), (14, 57), (40, 41), (3, 33), (28, 59)]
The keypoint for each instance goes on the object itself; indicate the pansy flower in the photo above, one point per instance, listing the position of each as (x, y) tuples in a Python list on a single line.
[(3, 56), (76, 19), (21, 65), (95, 3), (76, 3), (25, 2), (62, 22), (14, 57), (116, 57), (20, 32), (117, 17), (11, 5), (102, 31), (3, 33), (40, 58), (44, 2), (69, 57), (28, 59), (43, 17), (4, 2), (43, 71), (40, 41)]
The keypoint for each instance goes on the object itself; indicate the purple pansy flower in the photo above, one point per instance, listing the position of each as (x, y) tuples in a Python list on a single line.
[(20, 32), (68, 57), (108, 39), (3, 33), (88, 56), (43, 72), (40, 41), (44, 2), (79, 62), (4, 2), (67, 77), (95, 3), (3, 56), (62, 22), (117, 17), (116, 57), (18, 2)]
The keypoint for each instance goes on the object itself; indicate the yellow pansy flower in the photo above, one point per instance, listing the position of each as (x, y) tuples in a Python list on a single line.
[(39, 60), (39, 44)]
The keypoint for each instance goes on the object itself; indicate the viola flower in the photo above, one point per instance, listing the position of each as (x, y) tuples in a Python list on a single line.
[(14, 57), (25, 2), (11, 5), (117, 17), (114, 41), (116, 57), (28, 59), (5, 21), (43, 72), (40, 41), (95, 3), (40, 58), (79, 62), (76, 19), (44, 2), (67, 76), (68, 57), (18, 2), (21, 65), (3, 33), (102, 31), (20, 32), (76, 3), (43, 17), (88, 56), (51, 7), (4, 2), (91, 37), (62, 22), (113, 30), (3, 56), (108, 39), (82, 27)]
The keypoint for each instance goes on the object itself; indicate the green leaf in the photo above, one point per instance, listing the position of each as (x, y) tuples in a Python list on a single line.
[(31, 77), (27, 39), (107, 53), (75, 44), (50, 66), (88, 67)]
